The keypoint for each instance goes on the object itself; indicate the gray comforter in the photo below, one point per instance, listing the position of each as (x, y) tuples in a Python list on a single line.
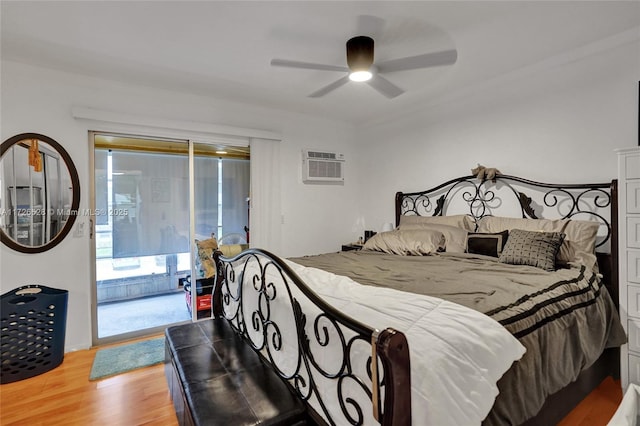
[(565, 318)]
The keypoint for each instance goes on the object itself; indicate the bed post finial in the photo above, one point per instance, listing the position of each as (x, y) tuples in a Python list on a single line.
[(393, 349), (216, 305), (399, 196)]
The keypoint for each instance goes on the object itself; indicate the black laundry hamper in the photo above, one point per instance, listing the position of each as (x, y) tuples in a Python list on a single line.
[(33, 321)]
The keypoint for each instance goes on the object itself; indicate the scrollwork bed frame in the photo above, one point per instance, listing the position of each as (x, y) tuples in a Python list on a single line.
[(267, 281), (270, 278), (592, 201)]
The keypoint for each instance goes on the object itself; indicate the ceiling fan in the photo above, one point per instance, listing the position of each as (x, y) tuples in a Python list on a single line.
[(361, 67)]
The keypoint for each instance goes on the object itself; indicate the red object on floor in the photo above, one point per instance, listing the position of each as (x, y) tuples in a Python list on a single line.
[(204, 288), (203, 303)]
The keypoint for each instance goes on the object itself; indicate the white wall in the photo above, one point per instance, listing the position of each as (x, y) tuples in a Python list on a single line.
[(316, 218), (558, 121)]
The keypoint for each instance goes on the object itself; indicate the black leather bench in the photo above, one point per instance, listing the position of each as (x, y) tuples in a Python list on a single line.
[(216, 378)]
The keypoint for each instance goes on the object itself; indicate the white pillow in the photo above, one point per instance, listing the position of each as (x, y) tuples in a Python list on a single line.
[(580, 243), (455, 237), (462, 221), (417, 242)]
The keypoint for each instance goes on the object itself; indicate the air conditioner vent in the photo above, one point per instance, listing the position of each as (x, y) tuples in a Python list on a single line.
[(322, 167), (323, 155)]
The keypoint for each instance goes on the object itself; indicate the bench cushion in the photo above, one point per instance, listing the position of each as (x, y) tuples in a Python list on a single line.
[(223, 381)]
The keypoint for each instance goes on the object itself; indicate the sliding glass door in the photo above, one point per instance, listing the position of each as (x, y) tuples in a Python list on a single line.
[(144, 268), (221, 197)]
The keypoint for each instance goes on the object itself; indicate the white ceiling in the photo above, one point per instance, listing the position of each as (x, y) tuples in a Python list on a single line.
[(224, 49)]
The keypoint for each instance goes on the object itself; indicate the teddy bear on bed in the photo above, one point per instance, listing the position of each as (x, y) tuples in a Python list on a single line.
[(485, 173)]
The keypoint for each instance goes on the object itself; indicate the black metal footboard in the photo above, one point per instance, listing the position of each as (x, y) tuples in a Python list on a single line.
[(325, 356)]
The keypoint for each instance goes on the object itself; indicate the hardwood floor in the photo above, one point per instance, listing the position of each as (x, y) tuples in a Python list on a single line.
[(65, 396), (598, 407)]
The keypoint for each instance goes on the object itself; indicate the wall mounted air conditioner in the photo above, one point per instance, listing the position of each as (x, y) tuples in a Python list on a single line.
[(322, 167)]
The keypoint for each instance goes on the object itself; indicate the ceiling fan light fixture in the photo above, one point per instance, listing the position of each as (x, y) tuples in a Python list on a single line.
[(360, 75), (360, 58)]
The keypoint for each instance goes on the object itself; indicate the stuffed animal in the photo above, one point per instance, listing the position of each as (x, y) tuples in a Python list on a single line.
[(483, 173), (204, 261)]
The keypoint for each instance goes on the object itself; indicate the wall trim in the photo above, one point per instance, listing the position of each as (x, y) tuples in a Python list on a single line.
[(110, 121)]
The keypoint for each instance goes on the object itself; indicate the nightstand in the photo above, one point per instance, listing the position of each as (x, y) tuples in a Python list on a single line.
[(351, 247)]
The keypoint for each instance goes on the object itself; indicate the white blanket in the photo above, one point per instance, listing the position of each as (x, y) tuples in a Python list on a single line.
[(457, 354)]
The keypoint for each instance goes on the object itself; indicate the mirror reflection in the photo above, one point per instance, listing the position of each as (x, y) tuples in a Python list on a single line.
[(37, 197)]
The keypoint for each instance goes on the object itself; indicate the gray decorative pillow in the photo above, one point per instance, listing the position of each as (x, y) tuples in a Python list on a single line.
[(533, 248)]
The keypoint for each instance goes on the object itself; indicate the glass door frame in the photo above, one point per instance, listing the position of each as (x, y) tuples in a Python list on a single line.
[(96, 340)]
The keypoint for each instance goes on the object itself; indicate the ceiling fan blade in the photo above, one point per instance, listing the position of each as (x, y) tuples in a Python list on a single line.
[(333, 86), (306, 65), (435, 59), (385, 87)]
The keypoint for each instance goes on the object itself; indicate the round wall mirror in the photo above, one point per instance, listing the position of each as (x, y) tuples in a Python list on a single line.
[(39, 193)]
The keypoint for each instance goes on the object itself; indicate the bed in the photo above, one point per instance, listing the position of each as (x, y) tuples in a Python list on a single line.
[(475, 308)]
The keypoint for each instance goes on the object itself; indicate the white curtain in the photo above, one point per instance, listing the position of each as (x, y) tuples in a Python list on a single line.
[(235, 190), (265, 214)]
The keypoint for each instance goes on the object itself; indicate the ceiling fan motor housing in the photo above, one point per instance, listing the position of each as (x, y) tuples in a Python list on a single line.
[(360, 53)]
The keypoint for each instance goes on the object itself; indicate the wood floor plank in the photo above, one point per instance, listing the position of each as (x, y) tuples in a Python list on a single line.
[(598, 407), (64, 396)]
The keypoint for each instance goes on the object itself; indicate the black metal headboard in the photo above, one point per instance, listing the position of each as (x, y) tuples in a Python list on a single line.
[(527, 199)]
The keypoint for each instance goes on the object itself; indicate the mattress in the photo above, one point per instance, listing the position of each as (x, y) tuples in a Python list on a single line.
[(564, 318)]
